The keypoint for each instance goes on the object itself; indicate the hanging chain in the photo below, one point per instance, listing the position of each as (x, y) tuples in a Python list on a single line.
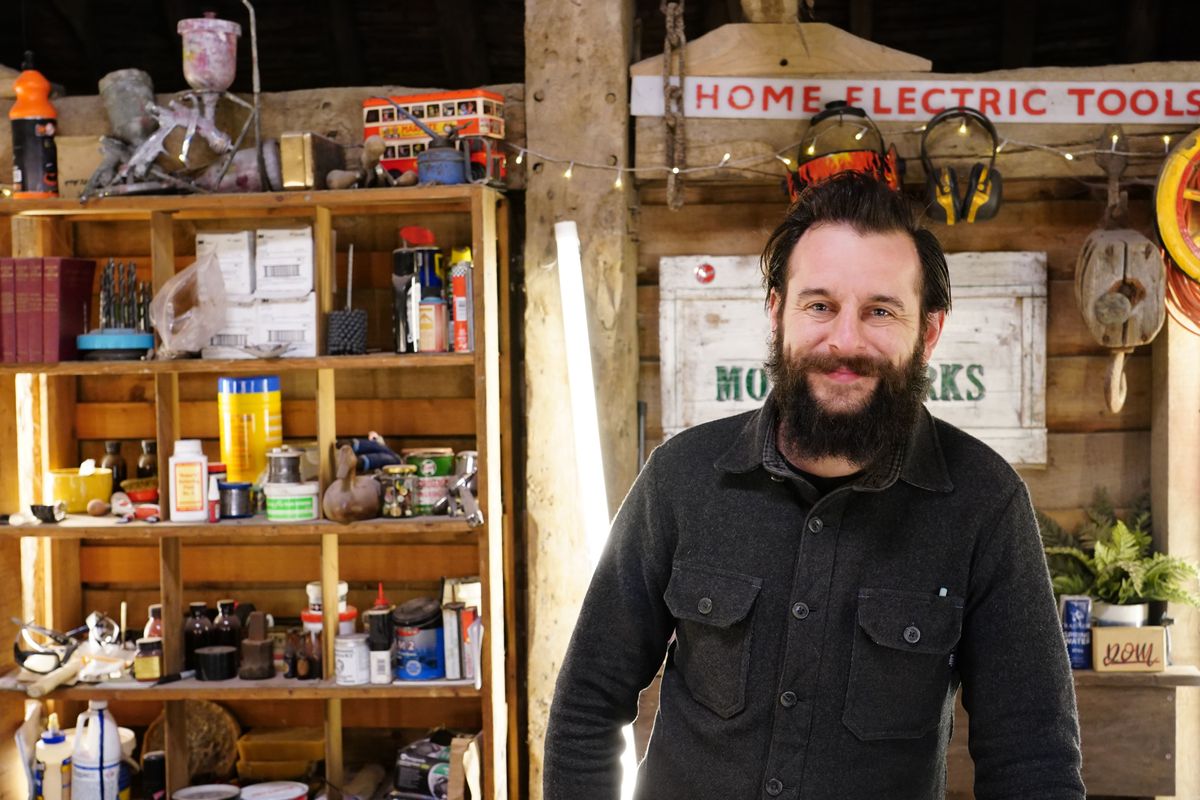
[(673, 119)]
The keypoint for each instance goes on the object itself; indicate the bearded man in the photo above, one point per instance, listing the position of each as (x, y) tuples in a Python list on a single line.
[(823, 574)]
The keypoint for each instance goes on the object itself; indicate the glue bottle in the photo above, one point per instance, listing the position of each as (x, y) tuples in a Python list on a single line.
[(96, 760), (53, 775), (35, 157)]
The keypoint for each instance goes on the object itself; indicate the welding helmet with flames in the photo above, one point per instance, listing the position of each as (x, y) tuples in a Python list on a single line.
[(842, 138)]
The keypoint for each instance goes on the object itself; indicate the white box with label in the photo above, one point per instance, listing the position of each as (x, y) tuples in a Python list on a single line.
[(239, 330), (235, 253), (290, 322), (283, 262)]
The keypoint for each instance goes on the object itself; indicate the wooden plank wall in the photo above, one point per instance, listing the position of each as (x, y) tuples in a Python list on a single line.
[(1088, 447)]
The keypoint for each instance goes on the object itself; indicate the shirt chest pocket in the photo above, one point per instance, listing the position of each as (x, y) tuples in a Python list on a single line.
[(712, 650), (900, 669)]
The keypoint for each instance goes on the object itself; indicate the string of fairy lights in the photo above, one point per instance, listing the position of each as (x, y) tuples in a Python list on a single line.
[(787, 155)]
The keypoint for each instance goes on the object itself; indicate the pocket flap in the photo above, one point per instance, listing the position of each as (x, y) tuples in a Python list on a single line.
[(710, 596), (911, 621)]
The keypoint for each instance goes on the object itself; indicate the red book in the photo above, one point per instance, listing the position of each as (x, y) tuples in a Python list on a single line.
[(8, 311), (29, 309), (66, 291), (465, 617)]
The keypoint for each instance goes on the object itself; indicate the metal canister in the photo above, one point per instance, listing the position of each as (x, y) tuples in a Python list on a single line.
[(433, 477), (283, 465), (420, 644), (399, 490), (1076, 613)]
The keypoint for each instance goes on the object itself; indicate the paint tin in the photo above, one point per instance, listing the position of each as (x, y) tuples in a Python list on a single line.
[(291, 501), (1076, 613), (235, 500), (283, 465), (419, 642), (434, 476), (351, 661), (276, 790)]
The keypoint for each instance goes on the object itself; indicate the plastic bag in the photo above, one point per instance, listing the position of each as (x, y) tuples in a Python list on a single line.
[(190, 308)]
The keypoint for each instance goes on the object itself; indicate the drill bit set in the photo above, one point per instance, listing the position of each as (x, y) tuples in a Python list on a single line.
[(125, 331), (124, 300)]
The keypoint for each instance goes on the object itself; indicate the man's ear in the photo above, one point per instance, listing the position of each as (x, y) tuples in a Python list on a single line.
[(934, 321), (773, 302)]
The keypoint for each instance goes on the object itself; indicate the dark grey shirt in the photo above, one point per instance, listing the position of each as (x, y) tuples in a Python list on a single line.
[(818, 641)]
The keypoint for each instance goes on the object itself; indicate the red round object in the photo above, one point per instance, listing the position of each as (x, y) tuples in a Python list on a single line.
[(705, 273), (1183, 297)]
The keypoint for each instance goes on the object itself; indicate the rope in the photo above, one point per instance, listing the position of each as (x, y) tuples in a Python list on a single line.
[(673, 119)]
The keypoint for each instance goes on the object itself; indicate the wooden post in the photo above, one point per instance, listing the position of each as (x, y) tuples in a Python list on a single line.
[(1175, 487), (577, 108), (771, 10)]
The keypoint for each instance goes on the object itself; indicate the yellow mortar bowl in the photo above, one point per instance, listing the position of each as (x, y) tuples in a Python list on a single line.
[(77, 490)]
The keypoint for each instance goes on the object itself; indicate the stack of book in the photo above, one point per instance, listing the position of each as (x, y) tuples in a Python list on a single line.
[(43, 307)]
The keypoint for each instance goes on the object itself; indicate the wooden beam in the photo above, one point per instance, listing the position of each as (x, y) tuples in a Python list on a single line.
[(1019, 33), (785, 49), (1175, 485), (464, 50), (786, 11), (584, 112), (345, 41)]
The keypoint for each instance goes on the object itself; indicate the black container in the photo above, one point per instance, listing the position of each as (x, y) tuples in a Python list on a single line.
[(197, 633), (147, 463), (227, 628), (116, 462)]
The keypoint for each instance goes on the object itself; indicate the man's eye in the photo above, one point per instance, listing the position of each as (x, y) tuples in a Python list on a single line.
[(821, 307), (881, 313)]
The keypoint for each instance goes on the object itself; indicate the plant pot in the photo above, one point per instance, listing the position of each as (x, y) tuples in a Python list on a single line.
[(1132, 616)]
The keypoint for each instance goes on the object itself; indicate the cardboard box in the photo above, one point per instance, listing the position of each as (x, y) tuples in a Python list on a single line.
[(291, 322), (1121, 649), (283, 262), (235, 253), (239, 330)]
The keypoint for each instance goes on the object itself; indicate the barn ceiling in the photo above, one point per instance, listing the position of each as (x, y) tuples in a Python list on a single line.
[(461, 43)]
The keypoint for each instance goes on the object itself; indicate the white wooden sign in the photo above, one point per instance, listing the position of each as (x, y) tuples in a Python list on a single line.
[(916, 100), (988, 373)]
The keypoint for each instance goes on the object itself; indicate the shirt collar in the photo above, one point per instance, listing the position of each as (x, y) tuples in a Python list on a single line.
[(919, 463)]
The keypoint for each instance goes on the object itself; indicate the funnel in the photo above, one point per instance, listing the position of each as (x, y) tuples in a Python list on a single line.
[(209, 52)]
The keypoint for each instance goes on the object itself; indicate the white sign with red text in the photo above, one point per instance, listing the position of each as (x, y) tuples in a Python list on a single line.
[(1125, 102)]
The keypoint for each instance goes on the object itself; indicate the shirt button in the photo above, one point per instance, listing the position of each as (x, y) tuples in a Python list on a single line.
[(705, 606), (788, 699), (815, 524), (774, 787), (777, 479), (912, 634), (800, 610)]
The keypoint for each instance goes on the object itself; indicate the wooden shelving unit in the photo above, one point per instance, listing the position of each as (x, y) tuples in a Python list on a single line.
[(47, 422)]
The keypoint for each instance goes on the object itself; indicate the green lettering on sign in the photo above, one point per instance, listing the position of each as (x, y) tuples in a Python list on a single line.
[(974, 374), (949, 386), (757, 383), (932, 372), (729, 383)]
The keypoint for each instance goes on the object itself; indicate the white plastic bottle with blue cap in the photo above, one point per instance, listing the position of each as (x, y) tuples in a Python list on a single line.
[(53, 753), (96, 761)]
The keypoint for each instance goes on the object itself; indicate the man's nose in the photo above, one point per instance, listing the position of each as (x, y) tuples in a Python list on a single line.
[(846, 335)]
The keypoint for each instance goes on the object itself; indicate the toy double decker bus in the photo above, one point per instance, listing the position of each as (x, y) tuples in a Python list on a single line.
[(480, 110)]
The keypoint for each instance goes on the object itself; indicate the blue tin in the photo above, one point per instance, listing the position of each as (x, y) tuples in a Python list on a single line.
[(420, 640), (1076, 613)]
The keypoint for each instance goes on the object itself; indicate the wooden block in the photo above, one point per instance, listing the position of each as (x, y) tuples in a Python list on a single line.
[(1121, 649)]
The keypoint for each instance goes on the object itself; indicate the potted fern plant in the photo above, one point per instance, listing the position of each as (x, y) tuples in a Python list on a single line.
[(1111, 560)]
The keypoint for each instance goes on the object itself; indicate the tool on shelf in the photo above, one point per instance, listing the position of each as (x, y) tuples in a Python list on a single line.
[(347, 330), (124, 332)]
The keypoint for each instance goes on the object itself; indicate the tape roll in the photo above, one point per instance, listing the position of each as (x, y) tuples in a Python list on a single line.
[(217, 663)]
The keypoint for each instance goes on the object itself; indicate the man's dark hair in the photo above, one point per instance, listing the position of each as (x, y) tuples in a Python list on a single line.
[(868, 206)]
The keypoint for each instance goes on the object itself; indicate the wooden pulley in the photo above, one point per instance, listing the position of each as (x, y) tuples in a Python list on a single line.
[(1120, 278)]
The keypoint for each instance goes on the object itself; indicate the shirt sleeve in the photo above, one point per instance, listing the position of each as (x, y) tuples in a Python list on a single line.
[(619, 642), (1017, 684)]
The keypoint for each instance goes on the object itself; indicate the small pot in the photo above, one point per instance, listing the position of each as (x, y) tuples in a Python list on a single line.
[(1130, 616)]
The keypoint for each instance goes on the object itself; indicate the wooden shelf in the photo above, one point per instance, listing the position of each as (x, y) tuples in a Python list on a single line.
[(247, 365), (1176, 675), (277, 688), (430, 530), (425, 199)]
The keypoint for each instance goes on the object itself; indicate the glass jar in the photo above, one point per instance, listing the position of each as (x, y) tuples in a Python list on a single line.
[(227, 628), (116, 462), (147, 463), (399, 489), (154, 626), (147, 664), (197, 633)]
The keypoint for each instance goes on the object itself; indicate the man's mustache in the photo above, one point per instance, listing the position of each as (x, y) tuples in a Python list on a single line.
[(828, 362)]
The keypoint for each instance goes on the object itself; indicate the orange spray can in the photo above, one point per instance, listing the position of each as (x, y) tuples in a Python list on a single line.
[(35, 158)]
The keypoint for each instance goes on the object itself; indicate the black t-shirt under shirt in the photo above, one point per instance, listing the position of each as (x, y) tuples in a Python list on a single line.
[(822, 484)]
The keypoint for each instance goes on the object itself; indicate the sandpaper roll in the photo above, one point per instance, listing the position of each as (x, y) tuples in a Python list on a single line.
[(217, 663)]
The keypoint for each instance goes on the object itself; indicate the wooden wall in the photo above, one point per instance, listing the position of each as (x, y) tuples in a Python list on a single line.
[(1088, 447)]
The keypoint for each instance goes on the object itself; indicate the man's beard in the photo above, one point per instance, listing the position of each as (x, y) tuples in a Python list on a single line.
[(880, 425)]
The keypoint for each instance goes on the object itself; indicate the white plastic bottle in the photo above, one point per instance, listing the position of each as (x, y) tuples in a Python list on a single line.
[(96, 762), (189, 482), (53, 753)]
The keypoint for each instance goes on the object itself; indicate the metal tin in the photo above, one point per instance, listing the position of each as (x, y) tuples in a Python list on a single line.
[(283, 465), (292, 501), (351, 660), (419, 640), (399, 490), (1076, 613), (235, 500)]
